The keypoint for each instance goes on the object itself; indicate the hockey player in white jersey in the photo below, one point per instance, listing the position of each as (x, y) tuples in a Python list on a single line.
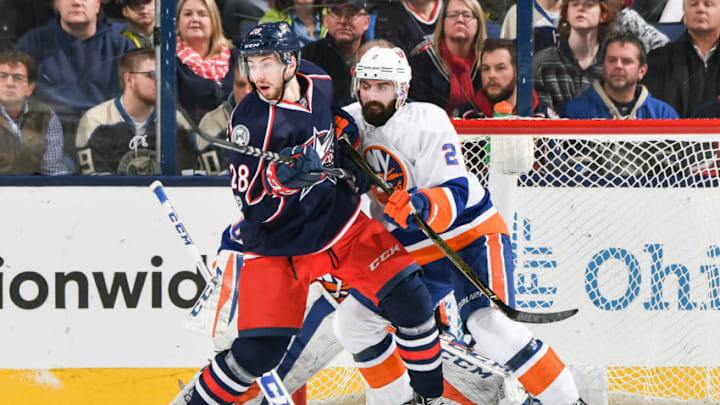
[(415, 148)]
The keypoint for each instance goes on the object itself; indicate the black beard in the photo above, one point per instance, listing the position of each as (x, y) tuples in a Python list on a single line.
[(380, 118), (504, 95)]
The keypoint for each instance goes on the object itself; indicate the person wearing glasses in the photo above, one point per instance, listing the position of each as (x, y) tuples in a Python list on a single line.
[(346, 21), (118, 136), (31, 138), (447, 72)]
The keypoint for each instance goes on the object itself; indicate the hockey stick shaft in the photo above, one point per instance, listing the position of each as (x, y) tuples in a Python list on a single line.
[(460, 264), (211, 279), (270, 156), (270, 383)]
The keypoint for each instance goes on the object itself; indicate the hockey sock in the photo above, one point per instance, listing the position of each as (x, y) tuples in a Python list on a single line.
[(534, 363), (409, 307), (380, 364), (232, 371), (543, 374)]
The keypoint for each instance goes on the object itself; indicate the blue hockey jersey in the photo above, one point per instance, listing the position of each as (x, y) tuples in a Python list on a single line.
[(312, 219)]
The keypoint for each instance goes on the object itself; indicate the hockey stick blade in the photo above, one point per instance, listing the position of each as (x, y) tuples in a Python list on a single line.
[(460, 264)]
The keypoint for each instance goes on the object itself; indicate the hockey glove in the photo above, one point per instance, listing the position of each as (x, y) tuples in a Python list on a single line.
[(345, 126), (360, 178), (399, 211), (283, 179)]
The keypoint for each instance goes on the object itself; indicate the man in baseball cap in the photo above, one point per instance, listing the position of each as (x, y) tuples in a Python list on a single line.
[(346, 22)]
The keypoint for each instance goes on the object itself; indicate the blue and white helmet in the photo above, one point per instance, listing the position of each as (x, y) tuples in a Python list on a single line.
[(390, 64), (275, 37)]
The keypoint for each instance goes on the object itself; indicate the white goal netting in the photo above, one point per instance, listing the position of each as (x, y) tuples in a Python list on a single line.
[(625, 227)]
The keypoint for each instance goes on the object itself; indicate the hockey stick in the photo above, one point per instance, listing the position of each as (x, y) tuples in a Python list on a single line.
[(212, 280), (270, 383), (270, 156), (465, 269)]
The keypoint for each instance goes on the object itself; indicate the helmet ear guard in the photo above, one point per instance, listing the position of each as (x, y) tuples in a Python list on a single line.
[(384, 64)]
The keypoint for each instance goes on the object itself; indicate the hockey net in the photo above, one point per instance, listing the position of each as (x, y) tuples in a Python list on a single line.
[(619, 219)]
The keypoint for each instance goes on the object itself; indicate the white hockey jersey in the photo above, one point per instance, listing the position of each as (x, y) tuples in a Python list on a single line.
[(419, 148)]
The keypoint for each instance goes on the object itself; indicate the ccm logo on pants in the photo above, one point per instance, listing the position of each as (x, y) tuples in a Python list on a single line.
[(384, 256)]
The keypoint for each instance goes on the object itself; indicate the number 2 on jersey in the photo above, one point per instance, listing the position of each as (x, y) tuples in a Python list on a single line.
[(450, 154)]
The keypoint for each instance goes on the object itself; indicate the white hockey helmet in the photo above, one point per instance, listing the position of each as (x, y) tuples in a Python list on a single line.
[(384, 64)]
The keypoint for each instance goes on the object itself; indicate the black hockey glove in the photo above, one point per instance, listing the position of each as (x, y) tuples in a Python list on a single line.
[(360, 178), (305, 171)]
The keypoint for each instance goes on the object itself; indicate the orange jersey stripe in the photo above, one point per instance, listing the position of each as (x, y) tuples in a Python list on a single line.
[(384, 373), (428, 254), (497, 267), (543, 373), (441, 210)]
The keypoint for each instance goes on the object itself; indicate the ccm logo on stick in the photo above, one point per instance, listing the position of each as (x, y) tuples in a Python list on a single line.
[(383, 257)]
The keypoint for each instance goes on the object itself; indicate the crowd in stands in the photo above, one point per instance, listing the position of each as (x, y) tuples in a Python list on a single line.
[(78, 82)]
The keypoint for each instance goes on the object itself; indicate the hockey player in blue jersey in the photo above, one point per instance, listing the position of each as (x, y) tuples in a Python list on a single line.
[(415, 148), (300, 224)]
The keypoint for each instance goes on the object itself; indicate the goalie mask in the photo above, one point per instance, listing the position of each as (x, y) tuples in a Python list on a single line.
[(384, 64)]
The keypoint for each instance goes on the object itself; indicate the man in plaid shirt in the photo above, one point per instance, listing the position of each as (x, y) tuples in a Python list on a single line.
[(31, 138)]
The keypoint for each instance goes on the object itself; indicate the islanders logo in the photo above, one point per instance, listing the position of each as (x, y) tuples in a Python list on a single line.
[(389, 168)]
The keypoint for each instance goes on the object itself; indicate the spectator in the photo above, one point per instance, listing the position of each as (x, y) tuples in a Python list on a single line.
[(447, 73), (304, 16), (686, 73), (76, 55), (346, 21), (708, 110), (204, 57), (498, 71), (659, 11), (495, 10), (118, 136), (409, 24), (563, 72), (215, 123), (31, 139), (628, 21), (239, 15), (20, 16), (141, 22), (545, 17), (619, 95)]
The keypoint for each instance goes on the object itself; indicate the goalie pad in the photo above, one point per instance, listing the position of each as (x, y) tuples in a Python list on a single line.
[(477, 378), (314, 348), (308, 353), (471, 377)]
